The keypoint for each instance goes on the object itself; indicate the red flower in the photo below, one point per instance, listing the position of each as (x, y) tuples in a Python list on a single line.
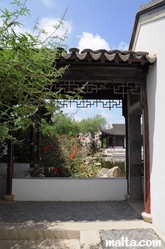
[(71, 156), (49, 132), (83, 138), (74, 150), (45, 149), (63, 135), (55, 170)]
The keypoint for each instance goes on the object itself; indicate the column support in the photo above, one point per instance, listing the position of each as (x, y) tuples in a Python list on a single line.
[(146, 154), (133, 132)]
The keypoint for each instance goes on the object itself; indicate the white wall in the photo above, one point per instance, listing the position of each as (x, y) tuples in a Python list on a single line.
[(150, 36), (65, 189)]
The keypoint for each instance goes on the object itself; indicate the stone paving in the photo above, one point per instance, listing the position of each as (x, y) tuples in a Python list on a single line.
[(19, 212), (110, 212), (133, 236), (75, 212)]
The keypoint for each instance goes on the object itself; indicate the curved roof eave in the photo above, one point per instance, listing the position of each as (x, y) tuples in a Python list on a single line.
[(102, 55)]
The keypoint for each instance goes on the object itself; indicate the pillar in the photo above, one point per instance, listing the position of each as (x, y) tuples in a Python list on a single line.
[(134, 161), (146, 154), (134, 146)]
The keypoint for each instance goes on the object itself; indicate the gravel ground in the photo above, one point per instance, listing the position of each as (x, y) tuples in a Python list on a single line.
[(18, 212), (134, 236)]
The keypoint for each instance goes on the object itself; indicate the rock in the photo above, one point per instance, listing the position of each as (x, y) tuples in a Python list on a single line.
[(103, 173), (116, 172), (98, 164), (113, 172)]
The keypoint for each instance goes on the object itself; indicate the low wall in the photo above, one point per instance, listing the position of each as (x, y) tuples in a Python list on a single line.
[(67, 189)]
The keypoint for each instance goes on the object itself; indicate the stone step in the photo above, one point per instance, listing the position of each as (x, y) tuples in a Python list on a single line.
[(34, 231), (90, 239), (40, 244), (20, 236)]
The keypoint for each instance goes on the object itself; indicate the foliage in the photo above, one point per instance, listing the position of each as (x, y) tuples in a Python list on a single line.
[(64, 124), (86, 171), (27, 70), (60, 156), (22, 146), (92, 125), (52, 160), (72, 151), (64, 156)]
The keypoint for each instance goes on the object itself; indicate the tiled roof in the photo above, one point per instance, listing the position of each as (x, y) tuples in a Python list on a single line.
[(107, 56), (117, 129)]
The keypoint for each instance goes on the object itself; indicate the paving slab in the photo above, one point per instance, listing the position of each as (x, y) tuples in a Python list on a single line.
[(90, 239)]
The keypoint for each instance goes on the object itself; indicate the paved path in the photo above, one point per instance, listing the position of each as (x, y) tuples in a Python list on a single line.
[(19, 212), (75, 225)]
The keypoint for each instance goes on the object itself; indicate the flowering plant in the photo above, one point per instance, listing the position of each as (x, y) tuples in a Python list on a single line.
[(72, 151), (60, 156)]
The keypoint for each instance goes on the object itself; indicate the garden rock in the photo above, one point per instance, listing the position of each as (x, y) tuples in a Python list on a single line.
[(113, 172)]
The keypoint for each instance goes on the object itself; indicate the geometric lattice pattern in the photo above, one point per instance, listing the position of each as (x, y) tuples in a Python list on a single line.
[(95, 87), (126, 88), (109, 104)]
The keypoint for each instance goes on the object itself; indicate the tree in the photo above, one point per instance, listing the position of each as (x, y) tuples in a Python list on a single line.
[(92, 124), (27, 71), (64, 124)]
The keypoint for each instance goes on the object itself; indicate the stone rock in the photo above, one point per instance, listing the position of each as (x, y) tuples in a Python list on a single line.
[(98, 164), (116, 172), (113, 172), (102, 173)]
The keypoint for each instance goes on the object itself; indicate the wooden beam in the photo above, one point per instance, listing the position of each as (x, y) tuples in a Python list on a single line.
[(101, 74)]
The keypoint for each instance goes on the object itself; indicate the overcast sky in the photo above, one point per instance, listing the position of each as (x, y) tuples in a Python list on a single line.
[(95, 24)]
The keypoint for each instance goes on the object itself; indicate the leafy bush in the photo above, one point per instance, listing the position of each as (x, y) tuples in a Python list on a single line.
[(60, 156)]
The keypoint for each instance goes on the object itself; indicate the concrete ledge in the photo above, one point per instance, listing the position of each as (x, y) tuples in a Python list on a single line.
[(146, 217)]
